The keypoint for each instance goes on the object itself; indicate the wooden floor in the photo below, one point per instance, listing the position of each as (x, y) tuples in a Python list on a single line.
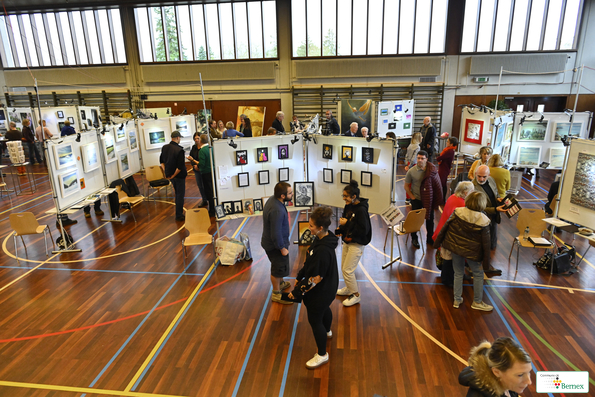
[(124, 317)]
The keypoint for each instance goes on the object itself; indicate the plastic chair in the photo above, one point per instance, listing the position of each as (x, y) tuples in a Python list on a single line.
[(156, 179), (25, 223), (534, 220), (123, 198), (412, 224), (197, 223)]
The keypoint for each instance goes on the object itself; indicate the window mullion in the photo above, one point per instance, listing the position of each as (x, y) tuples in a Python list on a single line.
[(430, 27), (561, 24), (3, 50), (544, 24), (233, 33), (191, 19), (367, 24), (13, 45), (494, 21), (352, 23), (165, 38), (179, 31), (399, 25), (337, 28), (219, 31), (99, 36), (24, 40), (248, 32), (87, 38), (262, 31), (321, 31), (204, 17), (61, 38), (510, 25), (36, 39), (306, 25), (477, 26), (527, 24), (77, 56), (110, 23), (48, 36), (382, 28)]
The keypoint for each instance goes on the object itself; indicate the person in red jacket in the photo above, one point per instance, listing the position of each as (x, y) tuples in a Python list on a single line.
[(423, 184), (445, 162)]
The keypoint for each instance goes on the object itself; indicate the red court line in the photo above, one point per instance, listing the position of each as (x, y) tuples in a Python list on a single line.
[(68, 331)]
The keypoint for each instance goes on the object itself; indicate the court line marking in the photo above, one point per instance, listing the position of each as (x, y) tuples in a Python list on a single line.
[(145, 365), (26, 202), (27, 209), (409, 319), (104, 271), (290, 351), (579, 255), (74, 389)]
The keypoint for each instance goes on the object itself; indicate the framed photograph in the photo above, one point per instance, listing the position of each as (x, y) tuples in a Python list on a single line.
[(219, 211), (61, 125), (263, 177), (562, 130), (327, 152), (154, 139), (346, 176), (124, 163), (347, 153), (90, 156), (367, 155), (529, 156), (182, 128), (227, 207), (64, 155), (241, 157), (473, 131), (83, 115), (120, 134), (237, 207), (262, 154), (303, 194), (60, 114), (248, 206), (532, 131), (257, 205), (508, 133), (500, 132), (109, 147), (71, 119), (283, 174), (327, 175), (305, 237), (132, 141), (243, 179), (283, 152), (366, 179), (557, 157), (69, 183)]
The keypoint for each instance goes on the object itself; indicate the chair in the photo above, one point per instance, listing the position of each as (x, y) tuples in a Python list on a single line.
[(412, 224), (123, 198), (591, 244), (197, 223), (534, 220), (156, 179), (25, 223)]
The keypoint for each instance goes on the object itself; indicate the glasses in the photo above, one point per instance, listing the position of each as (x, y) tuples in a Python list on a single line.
[(345, 196)]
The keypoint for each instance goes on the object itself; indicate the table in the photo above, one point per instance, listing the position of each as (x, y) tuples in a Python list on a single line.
[(28, 174)]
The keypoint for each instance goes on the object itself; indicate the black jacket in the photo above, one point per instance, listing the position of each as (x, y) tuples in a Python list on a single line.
[(333, 126), (479, 387), (194, 154), (358, 228), (172, 157), (321, 260), (429, 134), (14, 135), (278, 126)]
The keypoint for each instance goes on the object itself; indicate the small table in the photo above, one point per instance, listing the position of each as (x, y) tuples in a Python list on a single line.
[(30, 178)]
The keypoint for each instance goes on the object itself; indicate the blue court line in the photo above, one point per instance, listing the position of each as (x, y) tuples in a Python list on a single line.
[(100, 271), (535, 184), (289, 351), (533, 195), (508, 327)]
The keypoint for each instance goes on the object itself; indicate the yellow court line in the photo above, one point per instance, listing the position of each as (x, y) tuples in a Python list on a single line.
[(89, 390), (20, 205), (175, 320), (409, 319)]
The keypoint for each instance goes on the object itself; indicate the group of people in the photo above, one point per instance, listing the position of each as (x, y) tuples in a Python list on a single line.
[(26, 136)]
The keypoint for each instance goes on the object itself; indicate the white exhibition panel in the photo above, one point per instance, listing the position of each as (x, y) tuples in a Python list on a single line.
[(579, 185), (114, 168), (52, 118), (146, 128), (498, 141), (18, 114), (88, 116), (395, 116), (379, 194), (481, 117), (550, 150), (186, 125), (225, 159), (69, 173)]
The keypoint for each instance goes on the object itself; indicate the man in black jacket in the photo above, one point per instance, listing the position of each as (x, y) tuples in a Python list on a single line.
[(278, 123), (331, 124), (174, 168), (428, 131)]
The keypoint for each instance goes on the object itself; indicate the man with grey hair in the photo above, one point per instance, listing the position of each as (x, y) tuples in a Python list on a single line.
[(278, 123), (428, 131), (364, 132), (353, 130)]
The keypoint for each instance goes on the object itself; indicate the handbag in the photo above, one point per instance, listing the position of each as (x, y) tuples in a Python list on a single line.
[(246, 241), (229, 250)]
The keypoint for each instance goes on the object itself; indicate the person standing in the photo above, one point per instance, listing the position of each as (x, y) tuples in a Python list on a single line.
[(317, 281), (412, 149), (204, 165), (485, 184), (423, 185), (242, 117), (42, 133), (246, 127), (275, 239), (428, 131), (230, 132), (193, 159), (213, 130), (500, 174), (355, 230), (353, 130), (34, 157), (221, 127), (445, 162), (296, 125), (174, 169), (278, 123), (485, 152), (67, 129), (331, 123)]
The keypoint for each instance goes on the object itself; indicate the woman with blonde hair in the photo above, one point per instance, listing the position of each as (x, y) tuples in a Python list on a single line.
[(484, 155), (221, 127), (499, 369), (411, 155), (500, 174)]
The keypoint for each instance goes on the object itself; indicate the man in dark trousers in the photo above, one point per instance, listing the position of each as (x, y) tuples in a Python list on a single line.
[(275, 238), (174, 167), (331, 124), (428, 131), (204, 166)]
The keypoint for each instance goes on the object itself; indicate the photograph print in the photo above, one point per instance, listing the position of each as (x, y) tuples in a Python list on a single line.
[(124, 163), (120, 133), (90, 155), (263, 177), (64, 155), (529, 156), (583, 188), (283, 152), (258, 205), (367, 155), (248, 206), (532, 131), (303, 194), (557, 157), (563, 128), (182, 128), (109, 146), (227, 207), (83, 115), (154, 139), (219, 211), (327, 152), (262, 154), (60, 114), (241, 157), (132, 141), (237, 207), (71, 119), (69, 183), (347, 153), (473, 131)]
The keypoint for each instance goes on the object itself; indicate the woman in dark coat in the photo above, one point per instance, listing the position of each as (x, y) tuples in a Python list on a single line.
[(317, 282), (499, 369), (193, 158), (247, 127)]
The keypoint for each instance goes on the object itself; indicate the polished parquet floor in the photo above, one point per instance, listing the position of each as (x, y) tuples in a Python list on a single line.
[(124, 317)]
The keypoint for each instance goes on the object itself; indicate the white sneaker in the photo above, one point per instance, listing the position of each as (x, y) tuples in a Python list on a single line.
[(317, 361), (352, 300), (482, 306), (457, 303), (344, 292), (329, 335)]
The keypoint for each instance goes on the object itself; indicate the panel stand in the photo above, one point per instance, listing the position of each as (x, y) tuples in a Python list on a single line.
[(392, 239)]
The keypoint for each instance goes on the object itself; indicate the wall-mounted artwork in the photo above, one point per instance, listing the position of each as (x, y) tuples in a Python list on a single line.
[(83, 115), (90, 156), (241, 157), (120, 134), (347, 153), (583, 188), (61, 125), (562, 130), (202, 120), (283, 152), (367, 154), (327, 152), (557, 157), (500, 132), (182, 128), (124, 163), (256, 116), (303, 194), (243, 179), (366, 179), (220, 211), (532, 131), (248, 206), (69, 183), (154, 139), (262, 154), (283, 174), (109, 147), (358, 110), (327, 175), (346, 176), (258, 205), (95, 117), (228, 207), (508, 133), (64, 155), (71, 120), (529, 156), (60, 114), (132, 141), (473, 131), (237, 207), (263, 177)]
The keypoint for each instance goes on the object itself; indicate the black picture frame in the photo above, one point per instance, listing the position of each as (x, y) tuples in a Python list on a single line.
[(346, 177), (71, 119), (368, 155), (219, 211), (262, 154), (347, 153), (238, 208), (283, 152), (258, 205), (263, 177), (366, 177), (83, 115), (227, 207), (303, 194), (327, 151), (60, 114), (240, 177), (326, 172), (241, 157), (284, 174)]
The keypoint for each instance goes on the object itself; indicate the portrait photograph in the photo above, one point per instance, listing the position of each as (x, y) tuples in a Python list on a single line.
[(258, 205), (303, 194), (327, 152), (227, 207), (347, 153), (219, 211), (262, 154), (237, 207), (283, 152), (241, 157)]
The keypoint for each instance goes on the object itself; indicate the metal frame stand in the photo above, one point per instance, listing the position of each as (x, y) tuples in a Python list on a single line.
[(392, 230), (30, 177)]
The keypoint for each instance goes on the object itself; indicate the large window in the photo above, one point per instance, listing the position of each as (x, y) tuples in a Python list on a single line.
[(367, 27), (520, 25), (200, 32), (62, 38)]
